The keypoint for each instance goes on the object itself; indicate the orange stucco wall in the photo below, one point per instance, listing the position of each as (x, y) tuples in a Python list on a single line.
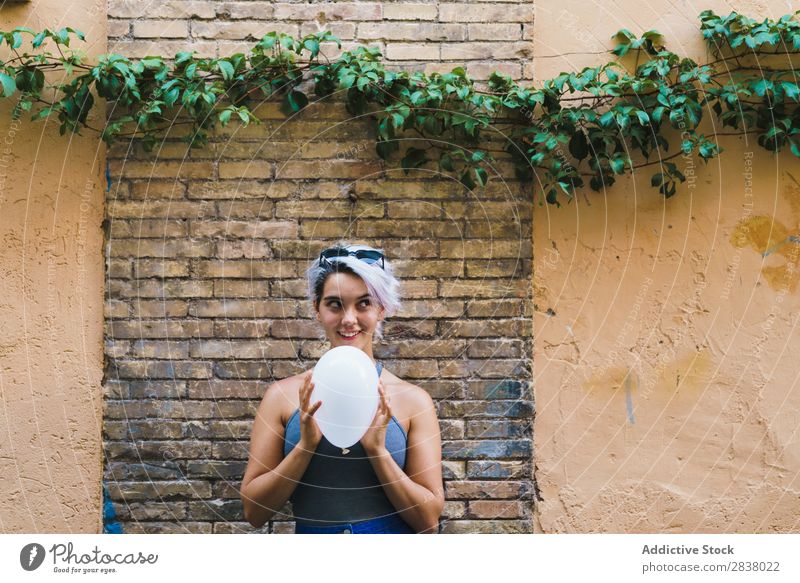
[(51, 303), (666, 376)]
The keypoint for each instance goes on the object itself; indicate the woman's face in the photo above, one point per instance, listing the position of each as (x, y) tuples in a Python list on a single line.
[(348, 313)]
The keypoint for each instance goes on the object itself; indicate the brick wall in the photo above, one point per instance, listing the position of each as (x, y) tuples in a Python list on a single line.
[(206, 251)]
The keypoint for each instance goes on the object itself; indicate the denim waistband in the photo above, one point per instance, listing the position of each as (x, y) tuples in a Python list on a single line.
[(384, 525)]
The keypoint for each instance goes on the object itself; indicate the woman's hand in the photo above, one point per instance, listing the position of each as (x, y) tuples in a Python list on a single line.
[(374, 440), (310, 433)]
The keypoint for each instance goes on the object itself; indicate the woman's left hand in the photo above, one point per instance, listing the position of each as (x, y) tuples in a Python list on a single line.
[(374, 440)]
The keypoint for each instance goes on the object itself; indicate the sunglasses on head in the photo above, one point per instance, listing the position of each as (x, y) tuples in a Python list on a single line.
[(369, 256)]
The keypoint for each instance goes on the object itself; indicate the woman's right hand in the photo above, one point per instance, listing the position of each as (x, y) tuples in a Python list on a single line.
[(310, 433)]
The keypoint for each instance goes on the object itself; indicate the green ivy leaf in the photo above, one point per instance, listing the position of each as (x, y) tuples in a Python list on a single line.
[(9, 85), (226, 69)]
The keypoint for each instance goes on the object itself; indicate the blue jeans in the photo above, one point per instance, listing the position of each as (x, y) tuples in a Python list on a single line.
[(384, 525)]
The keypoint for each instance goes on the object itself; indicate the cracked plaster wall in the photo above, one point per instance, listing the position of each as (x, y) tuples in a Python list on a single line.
[(665, 359)]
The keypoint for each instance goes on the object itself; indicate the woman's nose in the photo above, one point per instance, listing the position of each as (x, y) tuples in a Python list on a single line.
[(349, 316)]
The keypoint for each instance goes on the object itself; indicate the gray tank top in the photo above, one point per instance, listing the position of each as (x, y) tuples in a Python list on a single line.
[(338, 487)]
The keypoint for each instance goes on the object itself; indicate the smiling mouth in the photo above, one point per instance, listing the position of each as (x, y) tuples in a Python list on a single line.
[(349, 337)]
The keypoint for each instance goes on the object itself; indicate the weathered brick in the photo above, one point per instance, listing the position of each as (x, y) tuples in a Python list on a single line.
[(246, 370), (430, 309), (163, 169), (225, 288), (230, 210), (497, 249), (412, 52), (413, 369), (361, 11), (451, 428), (487, 527), (160, 329), (248, 31), (143, 429), (117, 28), (157, 390), (230, 389), (455, 12), (243, 10), (116, 349), (183, 527), (482, 469), (216, 509), (245, 170), (241, 189), (483, 289), (115, 309), (497, 509), (161, 268), (160, 349), (155, 189), (242, 349), (160, 451), (159, 511), (487, 50), (407, 228), (245, 269), (426, 348), (454, 509), (427, 268), (453, 470), (239, 450), (486, 448), (494, 32), (139, 369), (485, 489), (498, 428), (327, 209), (167, 9), (416, 31), (495, 308), (231, 308), (160, 248), (215, 469), (247, 249), (480, 328), (463, 409), (397, 330), (497, 389), (409, 11), (242, 329), (495, 348), (160, 308), (249, 229), (137, 49), (295, 329), (160, 28)]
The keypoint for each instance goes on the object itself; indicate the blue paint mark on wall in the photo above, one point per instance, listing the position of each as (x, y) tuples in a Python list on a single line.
[(110, 523), (629, 398)]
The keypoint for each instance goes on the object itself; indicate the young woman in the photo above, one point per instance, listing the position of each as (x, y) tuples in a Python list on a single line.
[(389, 482)]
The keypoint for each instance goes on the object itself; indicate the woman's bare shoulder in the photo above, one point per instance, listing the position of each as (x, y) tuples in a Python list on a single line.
[(284, 394), (414, 397)]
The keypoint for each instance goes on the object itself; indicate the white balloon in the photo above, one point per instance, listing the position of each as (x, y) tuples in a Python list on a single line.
[(346, 382)]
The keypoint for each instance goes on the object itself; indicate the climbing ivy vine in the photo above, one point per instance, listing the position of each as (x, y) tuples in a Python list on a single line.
[(642, 110)]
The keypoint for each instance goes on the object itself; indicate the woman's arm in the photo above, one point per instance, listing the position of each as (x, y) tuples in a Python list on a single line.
[(417, 493), (270, 478)]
